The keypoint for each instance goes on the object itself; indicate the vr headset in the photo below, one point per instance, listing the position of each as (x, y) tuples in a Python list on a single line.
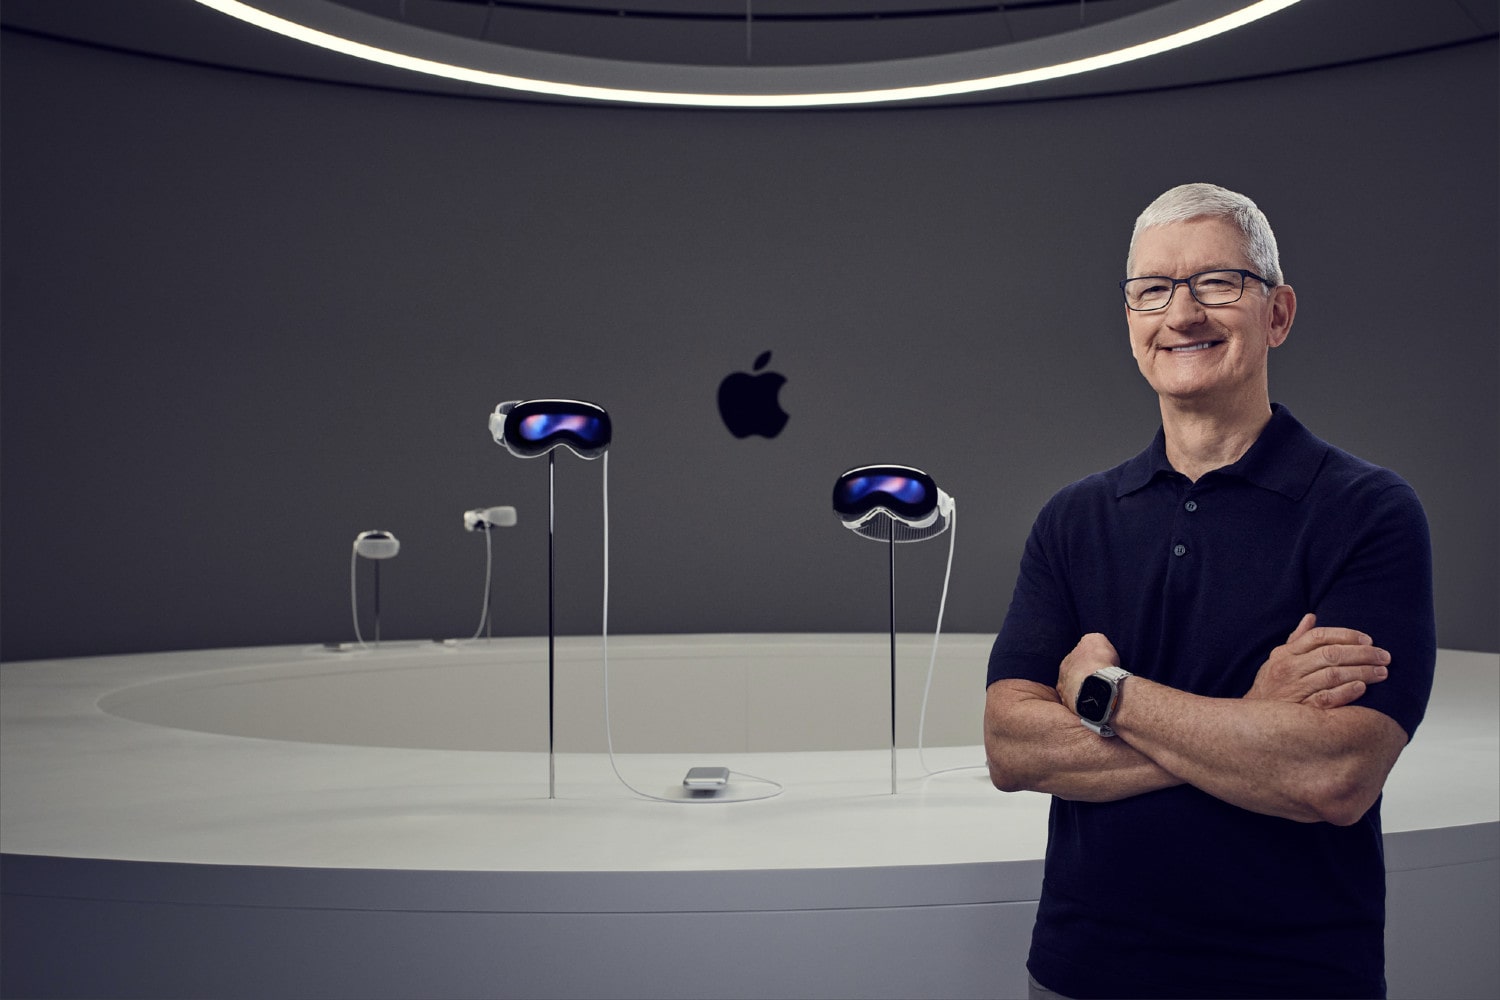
[(891, 503), (533, 427)]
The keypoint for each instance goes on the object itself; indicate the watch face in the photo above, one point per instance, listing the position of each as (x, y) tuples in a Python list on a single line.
[(1093, 698)]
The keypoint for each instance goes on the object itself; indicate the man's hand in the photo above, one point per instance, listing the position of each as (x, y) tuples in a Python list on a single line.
[(1321, 667), (1093, 653)]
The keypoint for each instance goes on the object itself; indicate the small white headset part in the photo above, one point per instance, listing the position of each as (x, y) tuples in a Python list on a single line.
[(497, 420), (376, 544), (944, 505), (485, 518)]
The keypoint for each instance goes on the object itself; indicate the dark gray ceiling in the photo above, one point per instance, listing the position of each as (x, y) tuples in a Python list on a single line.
[(759, 32), (773, 33)]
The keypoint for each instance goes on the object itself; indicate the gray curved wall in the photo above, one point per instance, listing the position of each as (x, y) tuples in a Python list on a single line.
[(246, 317)]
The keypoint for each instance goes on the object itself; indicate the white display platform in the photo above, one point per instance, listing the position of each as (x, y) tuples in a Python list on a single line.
[(297, 822)]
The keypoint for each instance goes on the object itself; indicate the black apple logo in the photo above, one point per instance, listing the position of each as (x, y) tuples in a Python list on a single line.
[(748, 402)]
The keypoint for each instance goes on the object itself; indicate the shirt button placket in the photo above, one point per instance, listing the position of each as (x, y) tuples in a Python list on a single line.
[(1181, 549)]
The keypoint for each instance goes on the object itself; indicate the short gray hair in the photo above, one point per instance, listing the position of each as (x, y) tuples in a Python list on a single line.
[(1196, 201)]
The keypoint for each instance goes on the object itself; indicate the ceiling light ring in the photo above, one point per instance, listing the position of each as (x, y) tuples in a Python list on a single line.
[(1126, 39)]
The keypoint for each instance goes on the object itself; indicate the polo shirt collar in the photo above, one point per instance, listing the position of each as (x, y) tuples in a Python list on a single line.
[(1284, 459)]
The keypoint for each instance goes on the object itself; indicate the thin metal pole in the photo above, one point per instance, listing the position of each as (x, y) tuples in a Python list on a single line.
[(551, 628), (489, 585), (377, 600), (893, 656)]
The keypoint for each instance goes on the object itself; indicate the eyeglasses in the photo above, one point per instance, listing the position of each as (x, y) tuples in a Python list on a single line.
[(1210, 288)]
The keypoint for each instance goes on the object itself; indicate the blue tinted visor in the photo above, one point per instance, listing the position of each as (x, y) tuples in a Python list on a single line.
[(536, 426), (904, 493)]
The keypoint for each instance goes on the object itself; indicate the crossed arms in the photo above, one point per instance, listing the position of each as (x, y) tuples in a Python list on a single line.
[(1294, 746)]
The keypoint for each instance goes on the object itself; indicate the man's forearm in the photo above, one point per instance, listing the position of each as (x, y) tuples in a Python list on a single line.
[(1290, 760), (1293, 747), (1035, 743)]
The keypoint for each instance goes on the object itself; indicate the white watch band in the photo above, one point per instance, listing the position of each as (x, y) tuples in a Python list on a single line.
[(1115, 676)]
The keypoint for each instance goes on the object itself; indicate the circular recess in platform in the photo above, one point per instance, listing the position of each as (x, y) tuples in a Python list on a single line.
[(668, 694)]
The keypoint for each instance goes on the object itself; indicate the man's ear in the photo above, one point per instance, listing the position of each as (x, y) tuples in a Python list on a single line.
[(1283, 310)]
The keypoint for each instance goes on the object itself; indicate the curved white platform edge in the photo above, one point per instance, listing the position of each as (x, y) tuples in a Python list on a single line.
[(142, 859)]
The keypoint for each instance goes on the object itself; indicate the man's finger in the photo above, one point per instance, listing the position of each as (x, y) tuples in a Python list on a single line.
[(1303, 627), (1349, 655), (1327, 635), (1337, 697)]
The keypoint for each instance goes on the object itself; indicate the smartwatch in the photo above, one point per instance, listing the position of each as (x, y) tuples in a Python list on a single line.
[(1098, 697)]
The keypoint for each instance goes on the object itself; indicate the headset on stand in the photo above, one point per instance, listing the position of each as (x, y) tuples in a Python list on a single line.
[(485, 520), (376, 546), (891, 504), (532, 428)]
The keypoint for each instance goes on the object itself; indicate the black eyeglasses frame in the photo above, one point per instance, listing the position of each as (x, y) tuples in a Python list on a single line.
[(1189, 282)]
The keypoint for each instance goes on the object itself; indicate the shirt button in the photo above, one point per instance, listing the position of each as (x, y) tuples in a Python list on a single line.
[(1191, 506), (1179, 550)]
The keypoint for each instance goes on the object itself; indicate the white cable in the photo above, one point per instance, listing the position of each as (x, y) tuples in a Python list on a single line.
[(609, 738), (932, 661), (484, 608), (353, 593)]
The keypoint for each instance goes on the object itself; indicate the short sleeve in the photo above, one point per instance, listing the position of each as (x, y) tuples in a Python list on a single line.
[(1382, 585), (1040, 627)]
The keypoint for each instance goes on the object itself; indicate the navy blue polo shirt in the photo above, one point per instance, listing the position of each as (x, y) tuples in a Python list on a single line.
[(1175, 893)]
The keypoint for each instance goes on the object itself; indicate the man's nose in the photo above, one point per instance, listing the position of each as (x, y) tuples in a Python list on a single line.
[(1183, 309)]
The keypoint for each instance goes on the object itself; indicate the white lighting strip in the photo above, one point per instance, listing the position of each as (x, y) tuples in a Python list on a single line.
[(255, 15)]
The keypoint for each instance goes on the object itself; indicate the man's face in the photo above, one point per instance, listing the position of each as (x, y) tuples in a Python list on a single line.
[(1195, 354)]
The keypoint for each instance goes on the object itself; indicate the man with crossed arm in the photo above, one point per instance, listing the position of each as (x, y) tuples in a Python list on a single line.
[(1214, 655)]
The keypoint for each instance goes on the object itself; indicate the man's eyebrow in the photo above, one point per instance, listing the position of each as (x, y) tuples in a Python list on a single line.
[(1146, 273)]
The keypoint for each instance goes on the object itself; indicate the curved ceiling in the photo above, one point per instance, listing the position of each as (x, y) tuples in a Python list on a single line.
[(750, 46)]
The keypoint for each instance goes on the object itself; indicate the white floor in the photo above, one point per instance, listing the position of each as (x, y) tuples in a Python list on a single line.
[(221, 788)]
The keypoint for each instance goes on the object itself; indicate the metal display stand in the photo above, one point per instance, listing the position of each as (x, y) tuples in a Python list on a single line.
[(894, 503), (377, 600), (529, 429), (891, 546), (376, 546), (551, 625)]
